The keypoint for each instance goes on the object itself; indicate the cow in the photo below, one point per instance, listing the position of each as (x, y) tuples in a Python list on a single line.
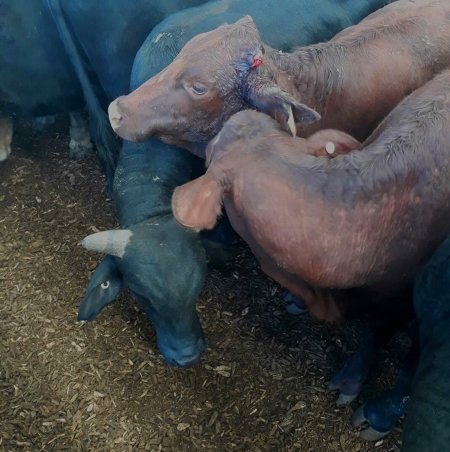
[(383, 58), (55, 57), (428, 417), (367, 219), (150, 184)]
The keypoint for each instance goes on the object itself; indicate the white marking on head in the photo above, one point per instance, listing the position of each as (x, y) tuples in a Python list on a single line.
[(155, 178), (330, 147)]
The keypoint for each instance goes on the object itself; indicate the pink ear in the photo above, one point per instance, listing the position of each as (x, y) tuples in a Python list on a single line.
[(329, 143), (198, 203)]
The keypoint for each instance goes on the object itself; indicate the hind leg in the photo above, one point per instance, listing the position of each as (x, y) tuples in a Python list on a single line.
[(386, 317), (350, 379), (6, 134), (80, 145), (382, 413)]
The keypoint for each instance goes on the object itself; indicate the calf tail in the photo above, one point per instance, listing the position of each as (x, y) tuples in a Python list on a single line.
[(107, 144)]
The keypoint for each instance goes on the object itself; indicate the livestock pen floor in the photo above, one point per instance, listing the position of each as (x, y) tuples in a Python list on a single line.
[(261, 385)]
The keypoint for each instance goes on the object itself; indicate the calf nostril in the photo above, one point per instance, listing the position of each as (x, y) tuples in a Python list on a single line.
[(115, 117)]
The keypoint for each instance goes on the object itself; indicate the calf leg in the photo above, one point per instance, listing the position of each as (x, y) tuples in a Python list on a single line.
[(80, 144), (6, 134), (386, 317), (350, 379), (382, 413), (218, 243), (42, 122)]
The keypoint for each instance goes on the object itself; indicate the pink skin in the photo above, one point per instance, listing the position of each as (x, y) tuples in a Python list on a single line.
[(217, 74), (366, 219)]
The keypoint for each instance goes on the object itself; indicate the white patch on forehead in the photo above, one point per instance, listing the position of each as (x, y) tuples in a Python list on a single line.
[(156, 178)]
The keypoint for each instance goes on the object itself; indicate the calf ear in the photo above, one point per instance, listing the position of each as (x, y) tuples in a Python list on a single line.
[(198, 203), (272, 100), (329, 143)]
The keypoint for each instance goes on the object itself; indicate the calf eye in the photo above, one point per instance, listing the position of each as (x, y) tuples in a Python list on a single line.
[(198, 89), (105, 285)]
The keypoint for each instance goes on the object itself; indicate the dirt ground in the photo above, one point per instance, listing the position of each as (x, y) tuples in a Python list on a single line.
[(102, 386)]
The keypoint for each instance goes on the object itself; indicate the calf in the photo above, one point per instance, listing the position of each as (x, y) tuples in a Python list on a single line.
[(364, 221), (388, 203), (383, 58)]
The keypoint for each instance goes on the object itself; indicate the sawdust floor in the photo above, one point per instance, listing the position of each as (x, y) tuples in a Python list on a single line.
[(261, 385)]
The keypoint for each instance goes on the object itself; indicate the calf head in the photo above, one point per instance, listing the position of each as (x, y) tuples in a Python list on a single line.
[(215, 75), (198, 203), (134, 257)]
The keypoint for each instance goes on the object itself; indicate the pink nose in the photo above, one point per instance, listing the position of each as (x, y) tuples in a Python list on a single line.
[(115, 117)]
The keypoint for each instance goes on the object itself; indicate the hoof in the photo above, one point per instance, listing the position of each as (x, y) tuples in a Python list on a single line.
[(294, 305), (293, 309), (345, 399), (370, 433), (40, 123), (6, 134), (4, 153), (348, 389), (217, 255), (80, 149)]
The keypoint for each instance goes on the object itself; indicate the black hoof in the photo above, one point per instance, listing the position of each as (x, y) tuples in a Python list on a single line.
[(370, 433)]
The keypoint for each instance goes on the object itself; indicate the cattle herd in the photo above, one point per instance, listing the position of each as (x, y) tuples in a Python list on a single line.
[(325, 129)]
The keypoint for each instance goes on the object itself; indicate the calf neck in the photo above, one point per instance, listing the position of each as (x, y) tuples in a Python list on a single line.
[(367, 219), (349, 83)]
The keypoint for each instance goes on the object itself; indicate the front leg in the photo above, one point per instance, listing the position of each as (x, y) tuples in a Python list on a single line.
[(80, 145), (6, 134)]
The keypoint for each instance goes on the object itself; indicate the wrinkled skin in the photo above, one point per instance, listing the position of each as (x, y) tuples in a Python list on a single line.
[(231, 68), (428, 416), (152, 174)]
